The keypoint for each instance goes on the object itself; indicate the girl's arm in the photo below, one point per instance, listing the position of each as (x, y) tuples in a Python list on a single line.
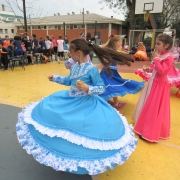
[(163, 66), (65, 80), (97, 86)]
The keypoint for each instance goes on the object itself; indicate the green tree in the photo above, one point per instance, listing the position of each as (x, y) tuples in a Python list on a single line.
[(169, 16), (124, 6)]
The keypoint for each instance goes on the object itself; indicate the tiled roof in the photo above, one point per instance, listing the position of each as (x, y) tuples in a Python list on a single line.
[(74, 18)]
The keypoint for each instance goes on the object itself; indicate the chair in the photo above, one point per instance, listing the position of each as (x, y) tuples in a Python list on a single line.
[(38, 58), (20, 59)]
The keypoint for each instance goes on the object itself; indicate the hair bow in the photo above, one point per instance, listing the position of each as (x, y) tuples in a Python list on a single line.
[(90, 42)]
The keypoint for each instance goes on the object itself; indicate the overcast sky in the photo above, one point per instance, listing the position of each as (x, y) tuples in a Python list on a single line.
[(51, 7)]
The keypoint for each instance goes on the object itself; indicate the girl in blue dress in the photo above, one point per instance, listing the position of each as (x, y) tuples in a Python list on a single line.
[(75, 130), (115, 84)]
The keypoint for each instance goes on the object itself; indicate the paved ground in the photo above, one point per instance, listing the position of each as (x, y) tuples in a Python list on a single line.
[(15, 163), (159, 161)]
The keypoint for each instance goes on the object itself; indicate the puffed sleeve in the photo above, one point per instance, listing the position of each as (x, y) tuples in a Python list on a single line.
[(65, 80), (97, 86), (151, 67), (163, 66)]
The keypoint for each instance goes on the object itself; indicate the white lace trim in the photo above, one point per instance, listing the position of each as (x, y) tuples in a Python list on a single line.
[(78, 139), (78, 70), (60, 163)]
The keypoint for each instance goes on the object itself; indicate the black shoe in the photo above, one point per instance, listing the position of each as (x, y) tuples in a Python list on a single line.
[(140, 137)]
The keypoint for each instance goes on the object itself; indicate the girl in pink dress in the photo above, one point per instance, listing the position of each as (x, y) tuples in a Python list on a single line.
[(152, 112), (173, 75)]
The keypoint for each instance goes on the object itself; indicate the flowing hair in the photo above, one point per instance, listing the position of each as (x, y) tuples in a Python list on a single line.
[(104, 54), (111, 41)]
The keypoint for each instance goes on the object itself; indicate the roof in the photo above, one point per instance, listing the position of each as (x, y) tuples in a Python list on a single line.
[(73, 18), (9, 14)]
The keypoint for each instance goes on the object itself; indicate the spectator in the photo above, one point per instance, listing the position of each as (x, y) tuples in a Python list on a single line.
[(42, 49), (54, 42), (89, 38), (66, 41), (34, 44), (17, 46), (4, 57), (81, 35), (49, 46), (6, 42), (141, 53), (27, 50), (60, 43)]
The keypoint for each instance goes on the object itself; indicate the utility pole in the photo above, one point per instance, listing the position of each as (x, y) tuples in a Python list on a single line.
[(95, 30), (83, 21), (25, 19), (64, 27), (30, 24)]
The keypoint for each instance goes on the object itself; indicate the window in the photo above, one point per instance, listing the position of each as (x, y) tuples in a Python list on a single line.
[(28, 27), (67, 27), (71, 26), (80, 26), (1, 31), (75, 27), (39, 27), (12, 19), (12, 30), (90, 26), (59, 27), (44, 27), (115, 26), (6, 31), (103, 26)]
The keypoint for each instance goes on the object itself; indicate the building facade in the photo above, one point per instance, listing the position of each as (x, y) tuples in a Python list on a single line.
[(72, 24), (7, 29)]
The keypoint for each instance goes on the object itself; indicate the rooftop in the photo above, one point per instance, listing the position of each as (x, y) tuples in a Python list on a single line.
[(71, 18)]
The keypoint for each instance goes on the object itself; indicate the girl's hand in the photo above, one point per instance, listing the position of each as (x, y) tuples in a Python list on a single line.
[(67, 67), (82, 86), (50, 78), (146, 69), (155, 54)]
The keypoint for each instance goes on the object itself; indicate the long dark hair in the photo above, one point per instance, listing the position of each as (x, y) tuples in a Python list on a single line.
[(88, 36), (166, 39), (104, 54)]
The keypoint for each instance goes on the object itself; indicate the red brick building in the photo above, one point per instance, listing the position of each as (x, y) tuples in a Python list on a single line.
[(72, 24)]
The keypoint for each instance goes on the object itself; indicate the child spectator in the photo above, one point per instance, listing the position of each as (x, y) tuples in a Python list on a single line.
[(42, 49), (6, 42), (60, 43), (141, 52), (49, 47), (4, 57)]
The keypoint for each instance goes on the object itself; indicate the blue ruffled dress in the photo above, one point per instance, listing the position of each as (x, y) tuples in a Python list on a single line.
[(76, 131), (116, 85)]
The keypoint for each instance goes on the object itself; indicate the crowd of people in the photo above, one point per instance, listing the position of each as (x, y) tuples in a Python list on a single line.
[(23, 45)]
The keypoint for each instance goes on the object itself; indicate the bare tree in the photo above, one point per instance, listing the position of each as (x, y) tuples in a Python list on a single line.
[(15, 4)]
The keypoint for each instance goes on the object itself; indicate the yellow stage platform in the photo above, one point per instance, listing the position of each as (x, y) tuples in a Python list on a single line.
[(150, 161)]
